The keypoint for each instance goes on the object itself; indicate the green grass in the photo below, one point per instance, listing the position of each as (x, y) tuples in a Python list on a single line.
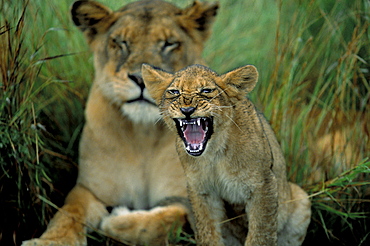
[(313, 56)]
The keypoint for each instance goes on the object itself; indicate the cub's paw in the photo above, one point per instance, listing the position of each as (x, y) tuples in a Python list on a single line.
[(144, 227)]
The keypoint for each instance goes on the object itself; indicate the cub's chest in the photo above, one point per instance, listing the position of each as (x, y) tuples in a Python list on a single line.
[(223, 180)]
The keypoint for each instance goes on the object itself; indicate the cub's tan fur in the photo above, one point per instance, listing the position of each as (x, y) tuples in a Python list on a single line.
[(231, 158), (127, 158)]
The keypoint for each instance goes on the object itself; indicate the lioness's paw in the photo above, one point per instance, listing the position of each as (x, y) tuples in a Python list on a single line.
[(49, 242), (143, 227)]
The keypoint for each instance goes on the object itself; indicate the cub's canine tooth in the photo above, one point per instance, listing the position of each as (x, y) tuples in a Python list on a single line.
[(243, 168)]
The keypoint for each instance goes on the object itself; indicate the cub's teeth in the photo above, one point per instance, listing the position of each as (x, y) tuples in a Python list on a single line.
[(180, 121), (198, 121)]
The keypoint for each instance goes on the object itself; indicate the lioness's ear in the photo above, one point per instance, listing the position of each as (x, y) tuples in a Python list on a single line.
[(156, 81), (91, 18), (199, 17), (241, 80)]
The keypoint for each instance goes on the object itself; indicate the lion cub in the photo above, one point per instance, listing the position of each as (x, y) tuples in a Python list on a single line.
[(234, 166)]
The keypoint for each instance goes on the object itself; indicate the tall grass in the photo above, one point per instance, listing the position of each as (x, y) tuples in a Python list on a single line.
[(313, 58), (36, 131), (23, 174)]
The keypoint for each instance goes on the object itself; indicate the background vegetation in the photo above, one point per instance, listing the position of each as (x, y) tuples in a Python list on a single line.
[(313, 58)]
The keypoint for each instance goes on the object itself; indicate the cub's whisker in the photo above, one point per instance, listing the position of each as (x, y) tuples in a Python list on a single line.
[(234, 123), (216, 95)]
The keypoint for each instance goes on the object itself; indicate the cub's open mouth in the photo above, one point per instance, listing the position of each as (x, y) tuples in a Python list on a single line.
[(195, 132)]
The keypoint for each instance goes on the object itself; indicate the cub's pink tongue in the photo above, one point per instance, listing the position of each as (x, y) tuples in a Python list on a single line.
[(194, 134)]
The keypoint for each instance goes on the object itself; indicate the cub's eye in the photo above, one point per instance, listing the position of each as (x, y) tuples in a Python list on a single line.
[(207, 90), (173, 92)]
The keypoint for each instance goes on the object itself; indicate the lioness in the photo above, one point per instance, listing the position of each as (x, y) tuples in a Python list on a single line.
[(127, 156), (233, 163)]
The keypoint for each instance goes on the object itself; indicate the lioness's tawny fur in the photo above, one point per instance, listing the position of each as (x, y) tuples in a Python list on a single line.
[(233, 163), (126, 157)]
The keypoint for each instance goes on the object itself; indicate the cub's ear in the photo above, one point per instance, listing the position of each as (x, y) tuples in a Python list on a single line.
[(198, 18), (91, 18), (241, 80), (156, 81)]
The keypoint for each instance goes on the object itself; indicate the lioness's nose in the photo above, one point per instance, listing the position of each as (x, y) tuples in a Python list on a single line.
[(187, 111), (137, 79)]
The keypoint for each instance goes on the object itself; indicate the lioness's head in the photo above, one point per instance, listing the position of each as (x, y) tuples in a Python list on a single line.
[(153, 32), (197, 102)]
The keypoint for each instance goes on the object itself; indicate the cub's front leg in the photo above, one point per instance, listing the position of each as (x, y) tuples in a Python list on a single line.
[(262, 211), (208, 213)]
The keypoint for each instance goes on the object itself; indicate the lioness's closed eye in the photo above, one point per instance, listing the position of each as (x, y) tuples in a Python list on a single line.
[(127, 159), (233, 163)]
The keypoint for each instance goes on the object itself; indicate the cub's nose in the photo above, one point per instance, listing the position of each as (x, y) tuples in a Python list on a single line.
[(187, 111)]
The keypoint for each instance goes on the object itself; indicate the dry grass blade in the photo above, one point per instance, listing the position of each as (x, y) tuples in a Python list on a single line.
[(314, 87)]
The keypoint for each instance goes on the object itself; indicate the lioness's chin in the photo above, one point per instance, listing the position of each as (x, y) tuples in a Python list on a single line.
[(195, 133), (141, 112)]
